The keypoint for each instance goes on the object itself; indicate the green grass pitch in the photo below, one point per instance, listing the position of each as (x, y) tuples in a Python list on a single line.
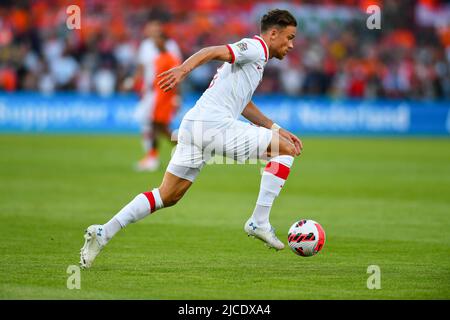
[(381, 201)]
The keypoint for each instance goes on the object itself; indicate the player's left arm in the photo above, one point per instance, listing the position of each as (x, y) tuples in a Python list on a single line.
[(255, 116)]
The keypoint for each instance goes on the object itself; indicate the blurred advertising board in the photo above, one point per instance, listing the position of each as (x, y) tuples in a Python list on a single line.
[(73, 113)]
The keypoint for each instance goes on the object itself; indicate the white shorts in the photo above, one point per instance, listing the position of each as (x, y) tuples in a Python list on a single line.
[(199, 141), (144, 109)]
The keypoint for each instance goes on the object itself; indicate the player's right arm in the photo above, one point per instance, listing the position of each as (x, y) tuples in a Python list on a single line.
[(170, 78)]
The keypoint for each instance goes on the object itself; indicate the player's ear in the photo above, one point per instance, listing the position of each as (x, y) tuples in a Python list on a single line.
[(273, 33)]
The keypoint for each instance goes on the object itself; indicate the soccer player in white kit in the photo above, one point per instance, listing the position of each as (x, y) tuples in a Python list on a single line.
[(212, 127)]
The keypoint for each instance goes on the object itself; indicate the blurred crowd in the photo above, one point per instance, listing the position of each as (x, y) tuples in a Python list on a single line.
[(335, 53)]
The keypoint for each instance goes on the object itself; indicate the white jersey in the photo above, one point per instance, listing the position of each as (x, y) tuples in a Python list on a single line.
[(147, 54), (233, 86)]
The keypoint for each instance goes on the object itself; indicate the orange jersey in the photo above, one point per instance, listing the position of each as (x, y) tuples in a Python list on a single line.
[(165, 102)]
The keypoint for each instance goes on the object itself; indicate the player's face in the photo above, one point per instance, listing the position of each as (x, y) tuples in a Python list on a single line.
[(282, 41), (153, 29)]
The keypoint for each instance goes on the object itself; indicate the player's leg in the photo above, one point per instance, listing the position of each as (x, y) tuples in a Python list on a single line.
[(150, 160), (163, 130), (281, 157), (173, 188), (177, 180), (281, 153), (156, 135), (279, 146), (144, 115), (160, 130), (148, 137), (181, 172), (168, 194)]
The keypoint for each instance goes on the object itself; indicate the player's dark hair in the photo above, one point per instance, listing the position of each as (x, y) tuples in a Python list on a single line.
[(277, 18)]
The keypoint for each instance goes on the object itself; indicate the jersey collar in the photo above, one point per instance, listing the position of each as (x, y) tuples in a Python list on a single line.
[(265, 47)]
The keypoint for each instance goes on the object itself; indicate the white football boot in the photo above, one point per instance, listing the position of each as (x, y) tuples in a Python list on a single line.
[(150, 164), (95, 241), (267, 235)]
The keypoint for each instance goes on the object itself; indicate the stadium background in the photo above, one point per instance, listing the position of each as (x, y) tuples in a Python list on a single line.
[(380, 190)]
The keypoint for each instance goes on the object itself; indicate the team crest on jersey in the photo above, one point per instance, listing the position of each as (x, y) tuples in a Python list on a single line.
[(242, 46)]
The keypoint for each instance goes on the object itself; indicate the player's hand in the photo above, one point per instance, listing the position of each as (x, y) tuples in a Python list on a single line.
[(293, 139), (170, 78)]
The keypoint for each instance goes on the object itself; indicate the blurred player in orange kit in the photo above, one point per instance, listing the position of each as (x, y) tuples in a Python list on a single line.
[(149, 55), (165, 103)]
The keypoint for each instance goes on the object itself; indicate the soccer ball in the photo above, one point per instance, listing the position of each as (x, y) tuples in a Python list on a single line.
[(306, 238)]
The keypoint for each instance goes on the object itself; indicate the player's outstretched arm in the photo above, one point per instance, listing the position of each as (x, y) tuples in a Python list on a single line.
[(255, 116), (170, 78)]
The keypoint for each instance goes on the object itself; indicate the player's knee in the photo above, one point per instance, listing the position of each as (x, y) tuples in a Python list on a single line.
[(287, 149)]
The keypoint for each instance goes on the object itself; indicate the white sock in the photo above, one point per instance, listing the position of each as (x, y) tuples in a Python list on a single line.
[(111, 228), (272, 181), (261, 215), (140, 207), (147, 138)]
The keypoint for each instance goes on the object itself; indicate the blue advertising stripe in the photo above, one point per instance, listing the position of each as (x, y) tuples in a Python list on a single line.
[(68, 112), (28, 112)]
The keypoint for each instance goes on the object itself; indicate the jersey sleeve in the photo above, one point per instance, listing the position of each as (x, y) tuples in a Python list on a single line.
[(141, 54), (172, 46), (244, 51)]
